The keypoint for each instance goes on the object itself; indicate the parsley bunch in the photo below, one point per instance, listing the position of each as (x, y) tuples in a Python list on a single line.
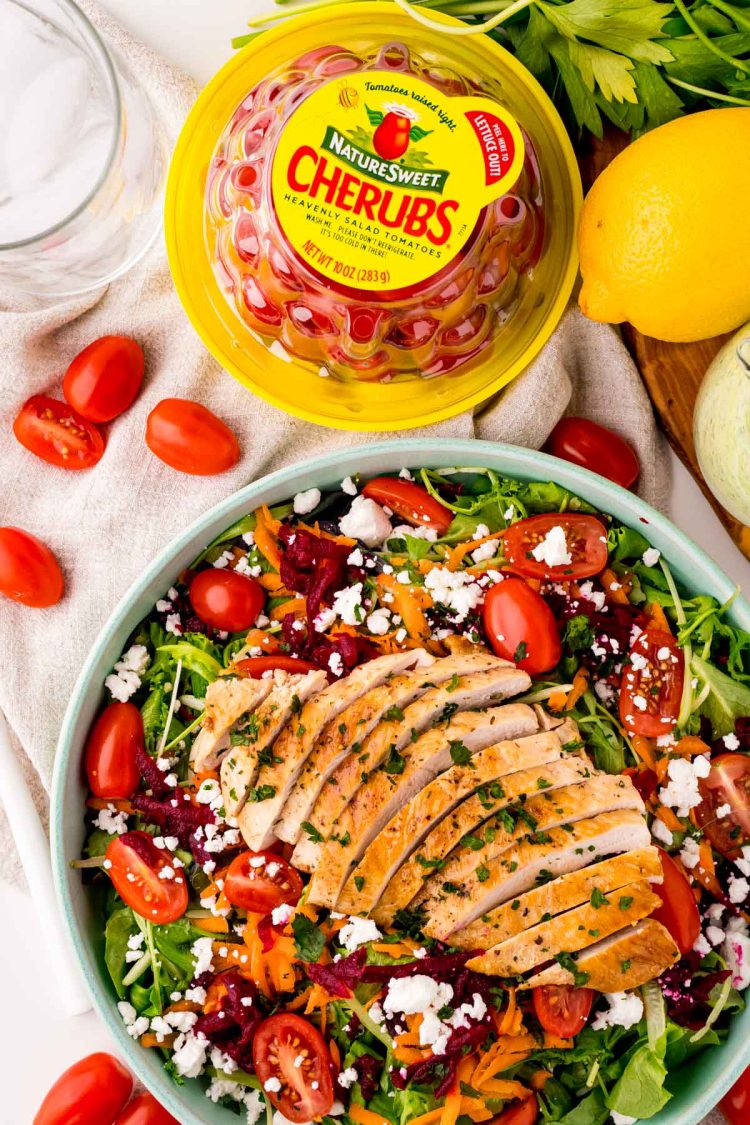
[(636, 63)]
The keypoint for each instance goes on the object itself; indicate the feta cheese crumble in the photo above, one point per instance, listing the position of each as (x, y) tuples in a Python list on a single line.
[(553, 549), (306, 502), (625, 1010), (126, 678), (357, 931), (682, 793), (366, 521)]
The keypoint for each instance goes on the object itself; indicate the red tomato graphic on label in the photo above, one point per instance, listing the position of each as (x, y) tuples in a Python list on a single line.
[(391, 138)]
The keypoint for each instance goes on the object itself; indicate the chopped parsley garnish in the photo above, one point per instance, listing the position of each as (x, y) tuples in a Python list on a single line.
[(453, 682), (460, 754), (521, 652), (395, 762), (359, 882), (568, 962), (262, 793), (482, 873), (393, 714), (309, 939), (311, 832), (598, 899), (626, 901)]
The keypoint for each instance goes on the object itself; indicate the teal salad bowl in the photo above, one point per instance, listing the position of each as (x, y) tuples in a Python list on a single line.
[(697, 1086)]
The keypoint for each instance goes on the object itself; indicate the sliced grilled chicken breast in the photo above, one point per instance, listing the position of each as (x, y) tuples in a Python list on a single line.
[(624, 960), (295, 743), (227, 700), (403, 775), (414, 820), (480, 689), (467, 818), (598, 794), (254, 740), (553, 898), (568, 932), (348, 731), (453, 906)]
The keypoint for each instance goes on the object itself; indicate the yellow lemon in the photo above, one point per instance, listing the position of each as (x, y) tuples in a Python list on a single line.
[(664, 238)]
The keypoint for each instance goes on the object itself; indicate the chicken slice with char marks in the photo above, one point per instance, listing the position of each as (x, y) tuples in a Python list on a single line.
[(227, 700), (569, 932), (452, 906), (351, 728), (468, 817), (296, 741), (405, 831), (564, 893), (620, 962), (254, 739), (403, 775), (480, 689)]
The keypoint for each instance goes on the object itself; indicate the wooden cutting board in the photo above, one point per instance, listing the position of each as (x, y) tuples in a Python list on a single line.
[(672, 372)]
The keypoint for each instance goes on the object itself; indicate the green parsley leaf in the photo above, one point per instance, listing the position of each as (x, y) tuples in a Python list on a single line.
[(309, 939)]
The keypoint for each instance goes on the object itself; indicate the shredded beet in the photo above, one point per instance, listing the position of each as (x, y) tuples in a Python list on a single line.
[(341, 977), (178, 817), (441, 1069), (313, 566), (686, 994), (154, 779), (442, 967), (368, 1070), (319, 647), (232, 1026)]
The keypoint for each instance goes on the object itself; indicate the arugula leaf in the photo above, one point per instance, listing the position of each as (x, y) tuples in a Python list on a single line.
[(309, 939), (727, 699), (120, 926)]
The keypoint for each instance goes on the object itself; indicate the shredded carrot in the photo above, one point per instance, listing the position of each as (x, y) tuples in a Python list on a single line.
[(461, 550), (705, 871), (454, 1097), (689, 746), (580, 684), (667, 817), (297, 606), (151, 1040), (557, 701), (475, 1109), (394, 949), (508, 1050), (364, 1116), (266, 532), (645, 748), (299, 1001), (211, 925), (430, 1118), (408, 1055), (508, 1018), (617, 588), (539, 1079), (344, 540), (658, 617), (256, 638), (556, 1043), (272, 582), (406, 602), (119, 804), (335, 1053), (504, 1088)]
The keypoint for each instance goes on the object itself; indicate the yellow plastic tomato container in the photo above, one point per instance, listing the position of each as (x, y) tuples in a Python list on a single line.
[(371, 223)]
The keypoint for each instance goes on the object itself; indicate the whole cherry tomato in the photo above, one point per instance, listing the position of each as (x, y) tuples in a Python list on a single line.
[(585, 543), (728, 783), (135, 868), (29, 572), (110, 755), (520, 1113), (190, 438), (145, 1110), (90, 1092), (260, 889), (410, 501), (561, 1009), (651, 685), (306, 1088), (735, 1105), (596, 448), (56, 433), (226, 600), (521, 627), (104, 379), (679, 910), (255, 666)]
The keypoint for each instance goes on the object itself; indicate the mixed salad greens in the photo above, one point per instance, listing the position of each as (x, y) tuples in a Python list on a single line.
[(217, 960)]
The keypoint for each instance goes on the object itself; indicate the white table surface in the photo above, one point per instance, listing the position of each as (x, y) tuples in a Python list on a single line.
[(38, 1040)]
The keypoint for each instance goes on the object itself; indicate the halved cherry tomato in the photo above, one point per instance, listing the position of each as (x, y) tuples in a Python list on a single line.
[(90, 1092), (520, 626), (521, 1113), (735, 1105), (261, 886), (679, 910), (226, 600), (410, 501), (160, 900), (29, 572), (255, 666), (103, 380), (110, 755), (56, 433), (728, 783), (145, 1110), (596, 448), (190, 438), (306, 1089), (651, 685), (585, 542), (561, 1009)]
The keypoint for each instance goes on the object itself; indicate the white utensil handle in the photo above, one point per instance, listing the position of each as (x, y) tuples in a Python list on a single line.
[(33, 848)]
